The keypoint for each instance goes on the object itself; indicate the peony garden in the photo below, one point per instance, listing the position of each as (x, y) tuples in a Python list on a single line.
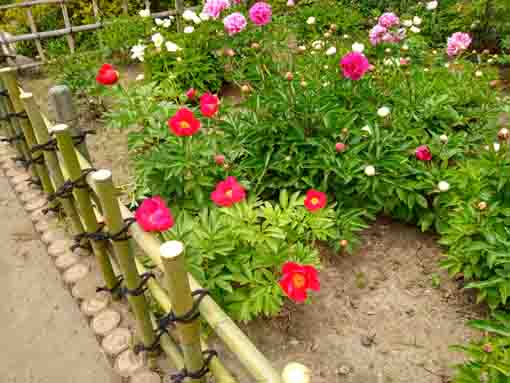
[(291, 145)]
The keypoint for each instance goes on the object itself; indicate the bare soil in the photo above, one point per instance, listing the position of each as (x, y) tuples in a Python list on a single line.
[(387, 314)]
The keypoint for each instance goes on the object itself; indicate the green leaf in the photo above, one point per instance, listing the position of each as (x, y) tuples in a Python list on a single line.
[(490, 326)]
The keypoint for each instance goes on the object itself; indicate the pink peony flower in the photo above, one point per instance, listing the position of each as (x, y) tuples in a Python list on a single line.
[(213, 8), (389, 20), (376, 34), (457, 43), (260, 13), (154, 215), (234, 23), (423, 153), (354, 65)]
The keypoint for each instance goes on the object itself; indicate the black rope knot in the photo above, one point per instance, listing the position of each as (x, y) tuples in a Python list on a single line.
[(23, 114), (184, 373), (66, 189), (10, 140), (100, 235), (80, 137), (4, 93), (54, 209), (34, 181), (49, 146), (115, 287), (140, 289)]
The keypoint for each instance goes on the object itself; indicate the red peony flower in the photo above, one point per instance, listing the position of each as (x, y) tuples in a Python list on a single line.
[(228, 192), (107, 75), (423, 153), (191, 93), (154, 215), (184, 123), (340, 147), (297, 279), (219, 159), (354, 65), (209, 104), (315, 200)]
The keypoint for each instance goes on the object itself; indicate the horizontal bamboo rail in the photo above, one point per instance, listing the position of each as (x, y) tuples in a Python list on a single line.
[(28, 4), (246, 352)]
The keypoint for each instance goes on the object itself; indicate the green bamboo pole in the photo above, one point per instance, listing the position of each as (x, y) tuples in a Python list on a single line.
[(179, 291), (42, 171), (251, 358), (13, 105), (84, 204), (6, 126), (102, 179), (219, 371), (39, 125)]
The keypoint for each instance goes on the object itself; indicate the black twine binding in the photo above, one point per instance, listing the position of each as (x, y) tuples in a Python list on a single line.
[(39, 160), (9, 116), (49, 146), (66, 189), (115, 287), (54, 209), (10, 140), (34, 181), (99, 235), (184, 373), (141, 289), (80, 138), (170, 319), (4, 93)]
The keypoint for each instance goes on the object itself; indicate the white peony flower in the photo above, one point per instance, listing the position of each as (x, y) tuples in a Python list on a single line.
[(415, 29), (167, 23), (138, 52), (383, 111), (443, 186), (158, 21), (346, 36), (417, 20), (204, 16), (407, 23), (188, 15), (358, 47), (145, 13), (443, 138), (370, 170), (331, 51), (158, 39), (405, 47), (172, 47), (431, 5), (311, 20), (478, 73), (496, 146), (188, 29)]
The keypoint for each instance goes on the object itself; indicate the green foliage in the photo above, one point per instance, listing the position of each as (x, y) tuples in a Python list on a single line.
[(489, 358)]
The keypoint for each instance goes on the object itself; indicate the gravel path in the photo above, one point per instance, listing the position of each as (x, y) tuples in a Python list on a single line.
[(44, 337)]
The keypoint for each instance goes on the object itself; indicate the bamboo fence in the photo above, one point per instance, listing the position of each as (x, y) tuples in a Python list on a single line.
[(7, 42), (86, 194)]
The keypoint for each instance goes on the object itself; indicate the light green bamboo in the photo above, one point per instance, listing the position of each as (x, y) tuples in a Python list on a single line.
[(42, 135), (84, 204), (13, 105), (5, 124), (102, 180), (218, 370), (42, 171), (179, 291)]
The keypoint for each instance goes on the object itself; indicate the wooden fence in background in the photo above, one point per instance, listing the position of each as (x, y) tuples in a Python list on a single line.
[(6, 42)]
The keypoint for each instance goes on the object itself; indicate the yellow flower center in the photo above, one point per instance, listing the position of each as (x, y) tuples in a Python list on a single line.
[(184, 125), (298, 280), (314, 201), (228, 193)]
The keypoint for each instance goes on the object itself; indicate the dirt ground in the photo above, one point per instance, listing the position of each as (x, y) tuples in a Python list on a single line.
[(387, 314), (45, 338)]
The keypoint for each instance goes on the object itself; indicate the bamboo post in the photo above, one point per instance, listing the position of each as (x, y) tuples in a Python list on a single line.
[(14, 105), (97, 19), (102, 180), (31, 140), (125, 9), (67, 23), (179, 291), (179, 9), (33, 28), (5, 124), (219, 371), (84, 204), (42, 135), (61, 101)]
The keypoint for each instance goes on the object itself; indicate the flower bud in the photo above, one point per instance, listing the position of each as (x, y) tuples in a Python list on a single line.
[(345, 131), (327, 34), (503, 134), (255, 45), (340, 147), (482, 205), (219, 159), (245, 88), (488, 348), (344, 243), (230, 52), (443, 138), (304, 84), (289, 76), (333, 27)]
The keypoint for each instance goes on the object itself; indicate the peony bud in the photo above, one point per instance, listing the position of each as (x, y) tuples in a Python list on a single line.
[(333, 27), (443, 138), (488, 348), (482, 205), (327, 35), (340, 147), (230, 52), (443, 186), (494, 83), (344, 243), (289, 76), (345, 131), (245, 88), (383, 111), (304, 84), (370, 171), (219, 159), (503, 134), (255, 45)]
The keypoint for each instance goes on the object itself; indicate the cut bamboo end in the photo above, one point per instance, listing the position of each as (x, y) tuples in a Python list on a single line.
[(25, 95), (171, 249), (59, 128), (145, 377), (128, 363), (93, 306), (105, 322), (102, 175), (296, 373), (59, 247), (66, 260), (75, 273), (117, 341)]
